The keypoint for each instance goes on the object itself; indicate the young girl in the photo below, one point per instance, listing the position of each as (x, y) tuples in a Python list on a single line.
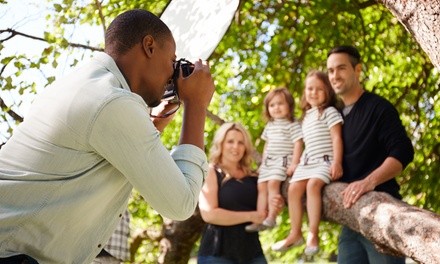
[(281, 153), (321, 161)]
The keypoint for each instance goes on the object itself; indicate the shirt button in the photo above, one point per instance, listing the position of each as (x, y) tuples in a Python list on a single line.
[(120, 215), (99, 245)]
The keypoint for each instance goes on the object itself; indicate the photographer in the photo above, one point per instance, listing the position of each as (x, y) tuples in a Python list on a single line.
[(68, 170)]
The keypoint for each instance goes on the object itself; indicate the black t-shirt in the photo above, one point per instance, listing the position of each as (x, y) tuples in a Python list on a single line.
[(373, 131), (233, 242)]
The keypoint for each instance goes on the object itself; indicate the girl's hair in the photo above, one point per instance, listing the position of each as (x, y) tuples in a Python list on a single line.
[(330, 96), (216, 151), (289, 99)]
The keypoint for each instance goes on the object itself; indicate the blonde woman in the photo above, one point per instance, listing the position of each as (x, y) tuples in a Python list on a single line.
[(228, 201)]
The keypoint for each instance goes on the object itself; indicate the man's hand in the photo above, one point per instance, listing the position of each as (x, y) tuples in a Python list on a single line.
[(161, 122), (354, 191), (198, 87), (195, 91)]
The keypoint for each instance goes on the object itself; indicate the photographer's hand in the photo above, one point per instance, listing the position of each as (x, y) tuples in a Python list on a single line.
[(161, 122), (195, 91)]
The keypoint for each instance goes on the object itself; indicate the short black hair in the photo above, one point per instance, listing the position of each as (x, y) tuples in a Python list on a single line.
[(130, 27), (351, 51)]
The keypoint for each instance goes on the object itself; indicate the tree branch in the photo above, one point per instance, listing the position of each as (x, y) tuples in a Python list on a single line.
[(10, 112), (367, 4), (152, 235), (101, 16), (17, 33), (215, 118), (392, 225)]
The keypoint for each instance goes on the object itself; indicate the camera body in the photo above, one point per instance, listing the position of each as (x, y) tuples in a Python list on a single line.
[(172, 92)]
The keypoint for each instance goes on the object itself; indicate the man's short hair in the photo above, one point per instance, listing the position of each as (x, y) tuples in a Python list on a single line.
[(130, 27), (351, 51)]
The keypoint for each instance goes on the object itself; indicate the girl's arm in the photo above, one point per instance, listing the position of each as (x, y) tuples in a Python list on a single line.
[(336, 167), (296, 156)]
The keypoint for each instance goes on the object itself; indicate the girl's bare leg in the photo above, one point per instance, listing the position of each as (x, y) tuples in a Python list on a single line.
[(314, 206), (273, 191), (295, 194), (262, 199)]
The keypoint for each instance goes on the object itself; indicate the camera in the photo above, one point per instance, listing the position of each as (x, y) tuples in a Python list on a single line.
[(172, 91)]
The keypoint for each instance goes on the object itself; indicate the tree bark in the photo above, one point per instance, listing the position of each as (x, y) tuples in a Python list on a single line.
[(179, 239), (393, 226), (422, 19)]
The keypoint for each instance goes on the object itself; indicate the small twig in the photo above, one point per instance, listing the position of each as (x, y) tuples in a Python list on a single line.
[(10, 112)]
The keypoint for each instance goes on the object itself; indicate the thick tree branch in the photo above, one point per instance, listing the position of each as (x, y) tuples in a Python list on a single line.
[(394, 226), (421, 19)]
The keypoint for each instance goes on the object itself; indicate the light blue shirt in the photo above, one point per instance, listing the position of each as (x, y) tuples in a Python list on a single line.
[(68, 170)]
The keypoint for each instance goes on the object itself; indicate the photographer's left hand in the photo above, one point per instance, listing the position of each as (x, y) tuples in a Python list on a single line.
[(161, 122)]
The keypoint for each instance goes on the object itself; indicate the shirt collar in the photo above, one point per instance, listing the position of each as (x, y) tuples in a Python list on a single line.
[(107, 61)]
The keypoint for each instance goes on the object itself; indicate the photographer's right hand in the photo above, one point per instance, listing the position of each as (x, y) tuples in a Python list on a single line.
[(195, 92), (198, 87)]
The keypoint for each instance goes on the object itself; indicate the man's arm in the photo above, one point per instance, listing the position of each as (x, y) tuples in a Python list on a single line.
[(389, 169), (195, 92), (125, 137), (392, 135)]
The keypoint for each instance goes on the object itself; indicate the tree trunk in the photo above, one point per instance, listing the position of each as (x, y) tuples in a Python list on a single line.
[(422, 19), (394, 226), (179, 239)]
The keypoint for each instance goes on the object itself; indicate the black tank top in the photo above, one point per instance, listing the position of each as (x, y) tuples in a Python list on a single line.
[(233, 242)]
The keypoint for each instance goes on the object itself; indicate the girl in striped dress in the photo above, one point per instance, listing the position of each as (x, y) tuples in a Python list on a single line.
[(281, 154), (321, 160)]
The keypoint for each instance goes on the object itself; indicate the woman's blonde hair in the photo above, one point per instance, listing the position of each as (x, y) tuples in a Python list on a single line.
[(216, 151), (289, 99)]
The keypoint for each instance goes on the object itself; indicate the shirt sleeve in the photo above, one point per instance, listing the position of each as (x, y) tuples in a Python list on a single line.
[(332, 117), (393, 135), (124, 135), (296, 131), (264, 134)]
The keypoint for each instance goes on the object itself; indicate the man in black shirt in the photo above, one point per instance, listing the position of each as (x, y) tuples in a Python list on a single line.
[(376, 149)]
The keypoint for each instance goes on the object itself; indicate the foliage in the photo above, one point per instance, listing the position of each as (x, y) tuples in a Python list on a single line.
[(274, 43)]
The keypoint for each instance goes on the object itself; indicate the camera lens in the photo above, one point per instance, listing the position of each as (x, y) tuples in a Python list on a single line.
[(187, 68), (171, 91)]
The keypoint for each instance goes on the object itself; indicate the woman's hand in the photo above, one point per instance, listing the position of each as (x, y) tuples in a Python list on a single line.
[(278, 202), (257, 217)]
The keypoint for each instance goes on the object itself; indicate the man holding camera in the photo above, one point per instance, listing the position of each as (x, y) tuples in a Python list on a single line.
[(68, 170)]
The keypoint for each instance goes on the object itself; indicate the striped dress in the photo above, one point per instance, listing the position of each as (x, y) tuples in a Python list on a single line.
[(318, 153), (280, 136)]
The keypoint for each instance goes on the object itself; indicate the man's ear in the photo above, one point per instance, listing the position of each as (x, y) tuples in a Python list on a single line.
[(148, 44), (358, 69)]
